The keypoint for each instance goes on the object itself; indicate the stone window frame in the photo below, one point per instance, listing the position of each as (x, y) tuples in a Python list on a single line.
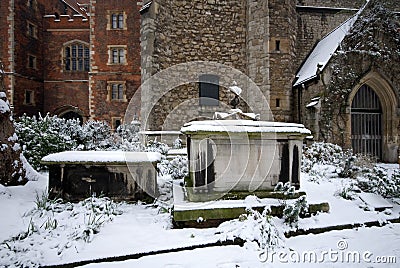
[(111, 14), (84, 59), (278, 103), (32, 61), (32, 29), (277, 45), (114, 122), (208, 82), (111, 88), (32, 4), (115, 59), (29, 97)]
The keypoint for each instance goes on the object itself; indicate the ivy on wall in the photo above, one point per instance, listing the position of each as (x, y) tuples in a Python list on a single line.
[(372, 44)]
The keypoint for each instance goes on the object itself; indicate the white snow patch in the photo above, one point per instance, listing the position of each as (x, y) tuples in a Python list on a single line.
[(16, 147), (102, 157), (236, 90), (374, 200), (244, 126), (30, 172), (14, 137), (312, 104), (4, 107)]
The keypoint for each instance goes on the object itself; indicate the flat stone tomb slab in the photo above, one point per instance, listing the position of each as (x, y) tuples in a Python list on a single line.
[(76, 175)]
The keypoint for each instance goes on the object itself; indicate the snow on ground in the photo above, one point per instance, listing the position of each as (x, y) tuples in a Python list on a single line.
[(15, 201), (362, 247), (143, 228)]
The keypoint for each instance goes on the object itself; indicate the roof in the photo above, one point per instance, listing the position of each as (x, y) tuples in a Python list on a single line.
[(323, 51), (100, 157), (78, 6)]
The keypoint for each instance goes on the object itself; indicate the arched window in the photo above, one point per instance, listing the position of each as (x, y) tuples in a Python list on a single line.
[(76, 57)]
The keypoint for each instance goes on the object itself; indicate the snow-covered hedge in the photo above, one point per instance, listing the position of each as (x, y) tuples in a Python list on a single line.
[(367, 175), (177, 167), (378, 181), (323, 153), (41, 136)]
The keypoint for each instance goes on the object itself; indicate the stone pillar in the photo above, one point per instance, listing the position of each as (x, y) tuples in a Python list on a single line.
[(258, 64), (147, 39)]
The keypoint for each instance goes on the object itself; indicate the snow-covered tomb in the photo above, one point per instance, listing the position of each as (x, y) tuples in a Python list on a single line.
[(75, 175), (241, 156)]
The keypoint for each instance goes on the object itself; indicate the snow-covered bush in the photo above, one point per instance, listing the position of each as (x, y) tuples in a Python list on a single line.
[(156, 146), (293, 211), (378, 181), (347, 192), (286, 188), (126, 138), (254, 227), (62, 227), (41, 136), (344, 163), (323, 153), (95, 135), (177, 144), (177, 167)]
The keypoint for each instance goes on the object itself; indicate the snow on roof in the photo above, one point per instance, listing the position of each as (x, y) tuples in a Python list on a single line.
[(249, 126), (312, 104), (77, 6), (323, 51), (101, 157)]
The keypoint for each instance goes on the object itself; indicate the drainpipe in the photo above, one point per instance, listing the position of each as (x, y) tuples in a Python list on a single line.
[(11, 50), (299, 102)]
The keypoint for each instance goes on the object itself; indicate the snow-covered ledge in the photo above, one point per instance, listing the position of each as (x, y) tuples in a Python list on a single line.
[(75, 175), (241, 156)]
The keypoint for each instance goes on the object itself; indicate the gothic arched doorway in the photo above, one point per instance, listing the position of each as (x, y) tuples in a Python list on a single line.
[(72, 115), (366, 123), (70, 112)]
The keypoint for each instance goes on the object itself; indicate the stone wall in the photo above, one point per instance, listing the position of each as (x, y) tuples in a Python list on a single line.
[(175, 32), (258, 56), (282, 58), (313, 25), (332, 3)]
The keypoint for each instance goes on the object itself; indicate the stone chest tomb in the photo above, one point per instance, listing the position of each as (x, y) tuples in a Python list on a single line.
[(241, 156)]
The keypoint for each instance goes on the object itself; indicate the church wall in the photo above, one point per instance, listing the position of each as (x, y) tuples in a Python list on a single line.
[(184, 31), (282, 52)]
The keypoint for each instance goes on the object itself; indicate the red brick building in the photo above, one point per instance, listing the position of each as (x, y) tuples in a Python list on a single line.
[(73, 58)]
